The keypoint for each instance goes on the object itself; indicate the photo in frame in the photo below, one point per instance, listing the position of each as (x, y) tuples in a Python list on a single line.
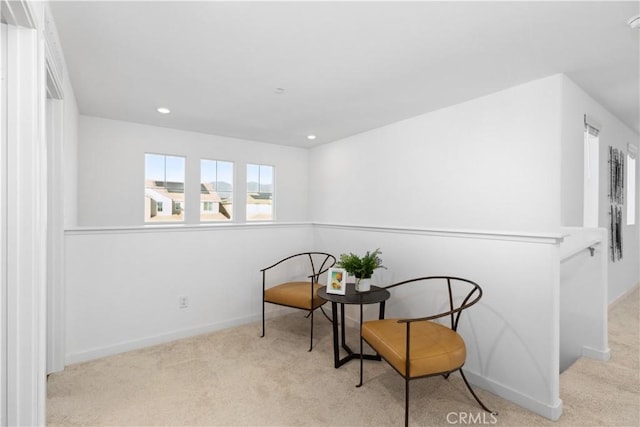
[(337, 281)]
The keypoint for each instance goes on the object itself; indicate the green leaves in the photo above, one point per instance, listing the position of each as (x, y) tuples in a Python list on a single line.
[(361, 267)]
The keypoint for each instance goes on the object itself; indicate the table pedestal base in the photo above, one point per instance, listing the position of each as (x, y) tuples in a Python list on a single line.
[(337, 361)]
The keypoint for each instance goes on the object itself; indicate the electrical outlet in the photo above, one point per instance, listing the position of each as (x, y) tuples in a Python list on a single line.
[(183, 301)]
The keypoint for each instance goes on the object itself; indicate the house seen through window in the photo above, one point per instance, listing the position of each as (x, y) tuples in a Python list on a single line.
[(164, 188), (216, 190), (259, 192)]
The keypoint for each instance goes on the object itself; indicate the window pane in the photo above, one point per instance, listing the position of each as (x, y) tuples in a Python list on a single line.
[(253, 177), (216, 190), (164, 188), (259, 192), (175, 169), (154, 167), (266, 179), (631, 190), (591, 188)]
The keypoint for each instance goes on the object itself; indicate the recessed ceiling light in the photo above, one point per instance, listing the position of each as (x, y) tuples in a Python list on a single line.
[(163, 110), (634, 22), (311, 137)]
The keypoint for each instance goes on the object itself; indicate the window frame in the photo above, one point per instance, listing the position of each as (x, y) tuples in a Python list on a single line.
[(272, 193), (631, 178), (178, 205), (232, 217)]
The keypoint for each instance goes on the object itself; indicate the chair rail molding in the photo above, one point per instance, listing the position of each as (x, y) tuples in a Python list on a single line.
[(178, 228), (549, 238)]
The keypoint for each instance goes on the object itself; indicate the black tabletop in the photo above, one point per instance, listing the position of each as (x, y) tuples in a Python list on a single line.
[(375, 295)]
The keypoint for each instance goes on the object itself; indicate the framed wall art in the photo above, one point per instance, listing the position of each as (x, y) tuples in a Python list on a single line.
[(337, 281), (616, 200)]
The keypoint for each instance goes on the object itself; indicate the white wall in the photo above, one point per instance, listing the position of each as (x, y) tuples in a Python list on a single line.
[(623, 274), (70, 155), (583, 295), (512, 334), (490, 163), (62, 148), (121, 296), (121, 290), (123, 285), (111, 170)]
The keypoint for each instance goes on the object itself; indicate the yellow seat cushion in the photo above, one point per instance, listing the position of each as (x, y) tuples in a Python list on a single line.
[(434, 347), (294, 294)]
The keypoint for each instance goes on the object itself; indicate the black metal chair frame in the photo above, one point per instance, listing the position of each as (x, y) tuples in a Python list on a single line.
[(454, 313), (328, 262)]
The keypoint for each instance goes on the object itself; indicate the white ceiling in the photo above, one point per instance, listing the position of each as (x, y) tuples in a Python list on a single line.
[(345, 67)]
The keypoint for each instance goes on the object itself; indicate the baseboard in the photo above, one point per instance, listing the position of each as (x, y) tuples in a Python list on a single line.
[(85, 356), (551, 412), (617, 301), (125, 346), (596, 354)]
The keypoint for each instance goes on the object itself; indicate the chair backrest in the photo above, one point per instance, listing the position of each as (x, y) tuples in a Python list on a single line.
[(460, 295), (318, 263)]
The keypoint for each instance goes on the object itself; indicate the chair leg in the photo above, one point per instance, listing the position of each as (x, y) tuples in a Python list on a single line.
[(361, 352), (361, 359), (311, 333), (406, 402), (262, 336), (474, 394)]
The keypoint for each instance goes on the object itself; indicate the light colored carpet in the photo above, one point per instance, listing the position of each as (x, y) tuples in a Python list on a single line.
[(235, 378)]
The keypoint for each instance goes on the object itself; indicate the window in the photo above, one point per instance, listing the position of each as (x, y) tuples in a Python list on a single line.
[(259, 192), (216, 190), (164, 188), (591, 172), (631, 185)]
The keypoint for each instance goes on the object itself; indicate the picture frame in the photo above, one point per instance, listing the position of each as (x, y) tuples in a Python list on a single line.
[(337, 281)]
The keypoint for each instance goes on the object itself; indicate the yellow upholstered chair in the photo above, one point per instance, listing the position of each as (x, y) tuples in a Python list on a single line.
[(296, 285), (433, 348)]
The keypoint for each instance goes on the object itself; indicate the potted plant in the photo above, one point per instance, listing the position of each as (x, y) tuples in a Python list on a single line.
[(361, 267)]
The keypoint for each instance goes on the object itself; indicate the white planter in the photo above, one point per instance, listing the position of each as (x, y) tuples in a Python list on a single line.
[(363, 285)]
